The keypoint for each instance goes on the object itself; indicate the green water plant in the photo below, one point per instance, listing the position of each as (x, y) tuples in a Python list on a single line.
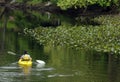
[(103, 38)]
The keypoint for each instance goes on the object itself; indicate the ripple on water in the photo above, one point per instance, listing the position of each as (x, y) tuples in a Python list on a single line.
[(61, 75), (44, 69), (7, 67), (8, 76)]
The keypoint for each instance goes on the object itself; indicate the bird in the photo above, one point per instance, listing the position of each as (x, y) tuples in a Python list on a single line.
[(40, 62)]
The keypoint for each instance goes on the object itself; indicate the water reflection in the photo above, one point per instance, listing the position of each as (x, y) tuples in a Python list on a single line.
[(4, 15), (40, 65), (88, 65), (26, 69)]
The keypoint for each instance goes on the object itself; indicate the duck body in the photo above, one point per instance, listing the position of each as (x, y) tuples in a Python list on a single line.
[(40, 62)]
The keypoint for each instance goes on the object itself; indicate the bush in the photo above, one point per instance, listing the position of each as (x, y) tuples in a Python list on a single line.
[(103, 38)]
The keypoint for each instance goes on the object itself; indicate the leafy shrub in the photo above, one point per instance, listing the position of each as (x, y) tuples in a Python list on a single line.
[(64, 4), (103, 38)]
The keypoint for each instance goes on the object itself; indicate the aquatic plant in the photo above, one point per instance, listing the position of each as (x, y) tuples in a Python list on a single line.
[(103, 38)]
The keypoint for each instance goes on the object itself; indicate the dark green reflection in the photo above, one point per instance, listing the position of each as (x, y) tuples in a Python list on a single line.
[(82, 65)]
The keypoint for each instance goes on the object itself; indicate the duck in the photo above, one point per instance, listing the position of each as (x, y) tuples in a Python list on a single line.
[(40, 63)]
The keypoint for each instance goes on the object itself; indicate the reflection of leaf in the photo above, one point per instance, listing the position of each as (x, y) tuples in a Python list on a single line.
[(2, 12)]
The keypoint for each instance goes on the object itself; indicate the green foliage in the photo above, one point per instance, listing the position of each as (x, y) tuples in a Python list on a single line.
[(29, 1), (54, 1), (64, 4), (103, 38), (23, 1), (35, 2)]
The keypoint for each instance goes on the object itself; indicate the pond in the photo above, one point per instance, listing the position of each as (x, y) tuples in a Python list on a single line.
[(62, 64)]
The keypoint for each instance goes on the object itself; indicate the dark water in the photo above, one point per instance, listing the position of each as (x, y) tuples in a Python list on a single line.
[(62, 64)]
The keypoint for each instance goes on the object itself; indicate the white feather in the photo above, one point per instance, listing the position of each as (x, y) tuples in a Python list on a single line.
[(40, 62)]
